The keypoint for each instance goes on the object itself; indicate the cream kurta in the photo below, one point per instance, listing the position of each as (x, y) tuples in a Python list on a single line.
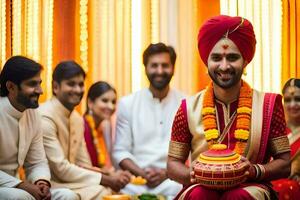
[(21, 143), (66, 151)]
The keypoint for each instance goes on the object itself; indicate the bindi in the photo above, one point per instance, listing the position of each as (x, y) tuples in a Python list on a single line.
[(225, 46)]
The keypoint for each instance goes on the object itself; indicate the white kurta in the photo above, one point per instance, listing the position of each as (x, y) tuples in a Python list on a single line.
[(66, 151), (21, 144), (143, 131)]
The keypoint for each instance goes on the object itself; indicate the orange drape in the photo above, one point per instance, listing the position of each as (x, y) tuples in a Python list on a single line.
[(64, 31), (66, 40), (206, 11), (8, 32), (290, 40), (109, 39)]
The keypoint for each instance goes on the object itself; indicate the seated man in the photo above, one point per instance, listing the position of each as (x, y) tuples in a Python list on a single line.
[(21, 139), (63, 130), (230, 112), (144, 121)]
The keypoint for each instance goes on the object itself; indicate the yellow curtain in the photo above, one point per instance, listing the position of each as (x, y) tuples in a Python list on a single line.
[(46, 48), (109, 26), (264, 71), (26, 29), (107, 37), (290, 40), (2, 32), (175, 23)]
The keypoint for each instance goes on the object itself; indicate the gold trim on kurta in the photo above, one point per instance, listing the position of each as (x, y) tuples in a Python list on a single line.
[(257, 192), (280, 145), (179, 150), (194, 115), (182, 196), (253, 145), (226, 110), (227, 128)]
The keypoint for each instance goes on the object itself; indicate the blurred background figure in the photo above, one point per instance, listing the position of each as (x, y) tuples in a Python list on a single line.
[(290, 188), (101, 104), (144, 123)]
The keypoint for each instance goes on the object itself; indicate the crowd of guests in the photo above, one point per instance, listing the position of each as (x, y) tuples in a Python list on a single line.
[(158, 132)]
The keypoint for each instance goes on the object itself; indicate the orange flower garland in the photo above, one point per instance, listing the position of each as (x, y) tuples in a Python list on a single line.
[(98, 140), (243, 124)]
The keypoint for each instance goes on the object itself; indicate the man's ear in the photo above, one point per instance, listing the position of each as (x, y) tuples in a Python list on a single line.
[(11, 87), (55, 86)]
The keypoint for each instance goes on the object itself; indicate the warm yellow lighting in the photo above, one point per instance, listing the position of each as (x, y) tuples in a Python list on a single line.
[(49, 37), (17, 28), (83, 19), (36, 30), (3, 32), (136, 16), (155, 21), (33, 29), (264, 71)]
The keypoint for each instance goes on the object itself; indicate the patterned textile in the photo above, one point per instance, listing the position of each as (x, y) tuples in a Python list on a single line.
[(278, 123), (287, 188), (181, 134), (272, 139), (180, 129)]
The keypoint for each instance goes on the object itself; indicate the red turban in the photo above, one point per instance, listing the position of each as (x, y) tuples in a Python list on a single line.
[(239, 30)]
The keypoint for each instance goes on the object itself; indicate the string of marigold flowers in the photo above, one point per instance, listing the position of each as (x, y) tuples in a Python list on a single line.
[(244, 111), (98, 141)]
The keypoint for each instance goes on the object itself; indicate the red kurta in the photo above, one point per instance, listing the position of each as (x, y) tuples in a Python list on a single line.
[(287, 188), (225, 115)]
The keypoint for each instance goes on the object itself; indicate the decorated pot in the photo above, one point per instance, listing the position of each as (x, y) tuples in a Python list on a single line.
[(220, 168)]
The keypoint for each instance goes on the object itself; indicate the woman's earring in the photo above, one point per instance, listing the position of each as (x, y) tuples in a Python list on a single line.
[(245, 72)]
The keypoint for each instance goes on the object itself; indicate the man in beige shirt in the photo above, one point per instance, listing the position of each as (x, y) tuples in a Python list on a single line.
[(63, 130), (21, 141)]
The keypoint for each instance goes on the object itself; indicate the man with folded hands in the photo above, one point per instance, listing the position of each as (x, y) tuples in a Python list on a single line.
[(21, 139), (63, 131)]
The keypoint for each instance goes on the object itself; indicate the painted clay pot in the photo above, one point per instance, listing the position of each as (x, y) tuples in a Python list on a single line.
[(220, 168)]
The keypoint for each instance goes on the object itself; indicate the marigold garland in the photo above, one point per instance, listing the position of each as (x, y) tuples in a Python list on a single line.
[(244, 111), (98, 140)]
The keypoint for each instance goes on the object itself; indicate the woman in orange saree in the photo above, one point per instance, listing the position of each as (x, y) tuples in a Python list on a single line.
[(290, 188)]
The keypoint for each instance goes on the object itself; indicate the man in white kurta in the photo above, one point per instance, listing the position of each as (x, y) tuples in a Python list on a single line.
[(21, 142), (144, 122)]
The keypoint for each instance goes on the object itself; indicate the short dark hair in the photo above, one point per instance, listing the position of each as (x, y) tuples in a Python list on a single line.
[(17, 69), (288, 84), (97, 89), (158, 48), (66, 70)]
